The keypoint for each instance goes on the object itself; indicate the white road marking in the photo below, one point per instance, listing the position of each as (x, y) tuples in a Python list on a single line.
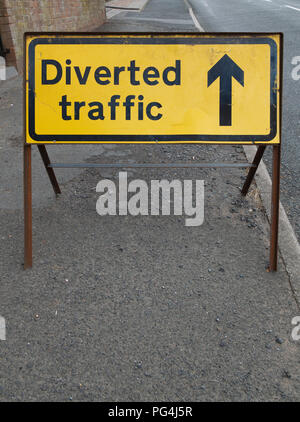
[(194, 19), (292, 7)]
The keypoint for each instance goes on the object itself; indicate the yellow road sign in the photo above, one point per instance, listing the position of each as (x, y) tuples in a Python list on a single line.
[(204, 88)]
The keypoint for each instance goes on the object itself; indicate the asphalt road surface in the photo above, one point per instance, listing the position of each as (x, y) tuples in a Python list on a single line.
[(269, 16), (139, 308)]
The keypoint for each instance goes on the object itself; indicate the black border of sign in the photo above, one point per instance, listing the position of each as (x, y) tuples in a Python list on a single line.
[(157, 38)]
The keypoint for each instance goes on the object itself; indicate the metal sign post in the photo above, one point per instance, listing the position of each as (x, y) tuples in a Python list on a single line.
[(148, 88)]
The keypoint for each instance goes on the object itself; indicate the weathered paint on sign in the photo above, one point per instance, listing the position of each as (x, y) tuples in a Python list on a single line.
[(204, 88)]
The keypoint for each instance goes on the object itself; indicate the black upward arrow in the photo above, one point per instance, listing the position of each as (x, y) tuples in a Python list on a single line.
[(226, 69)]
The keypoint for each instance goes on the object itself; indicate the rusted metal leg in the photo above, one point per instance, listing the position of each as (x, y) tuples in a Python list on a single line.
[(50, 171), (258, 156), (275, 208), (27, 208)]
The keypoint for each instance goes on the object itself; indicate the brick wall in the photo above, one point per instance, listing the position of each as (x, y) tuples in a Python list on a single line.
[(19, 16)]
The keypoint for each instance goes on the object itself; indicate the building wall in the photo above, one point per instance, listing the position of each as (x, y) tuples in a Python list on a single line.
[(19, 16)]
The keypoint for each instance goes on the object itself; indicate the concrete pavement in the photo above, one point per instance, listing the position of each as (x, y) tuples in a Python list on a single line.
[(139, 308)]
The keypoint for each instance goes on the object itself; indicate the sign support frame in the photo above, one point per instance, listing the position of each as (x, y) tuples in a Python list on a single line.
[(275, 207), (274, 225), (276, 160), (27, 207), (46, 160)]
